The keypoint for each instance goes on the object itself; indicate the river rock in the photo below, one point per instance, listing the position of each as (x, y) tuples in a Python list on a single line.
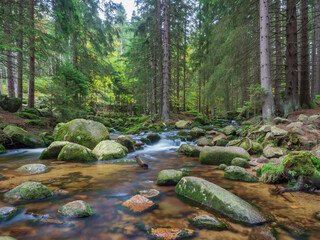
[(169, 177), (154, 138), (151, 193), (273, 152), (170, 233), (239, 173), (217, 140), (182, 124), (252, 147), (240, 162), (7, 238), (219, 199), (23, 137), (195, 133), (203, 141), (29, 191), (278, 132), (53, 150), (218, 155), (126, 141), (262, 159), (139, 204), (229, 130), (108, 150), (87, 133), (33, 168), (73, 152), (222, 167), (7, 213), (76, 209), (261, 233), (189, 150), (208, 222)]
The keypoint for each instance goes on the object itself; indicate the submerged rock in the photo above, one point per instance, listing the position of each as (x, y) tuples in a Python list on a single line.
[(33, 168), (53, 150), (240, 162), (170, 233), (219, 155), (189, 150), (76, 209), (84, 132), (154, 138), (139, 204), (219, 199), (169, 177), (239, 173), (182, 124), (126, 141), (261, 233), (73, 152), (108, 150), (151, 193), (317, 216), (7, 213), (205, 221), (29, 191)]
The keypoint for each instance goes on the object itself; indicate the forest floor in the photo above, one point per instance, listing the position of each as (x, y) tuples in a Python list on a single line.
[(307, 112)]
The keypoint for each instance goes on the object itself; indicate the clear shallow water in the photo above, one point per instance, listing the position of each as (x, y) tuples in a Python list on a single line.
[(105, 186)]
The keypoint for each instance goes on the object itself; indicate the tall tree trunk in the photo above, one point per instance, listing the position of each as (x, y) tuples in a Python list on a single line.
[(155, 82), (20, 52), (75, 50), (1, 78), (314, 54), (160, 50), (278, 77), (305, 99), (184, 65), (178, 79), (32, 56), (316, 87), (266, 83), (291, 101), (166, 64)]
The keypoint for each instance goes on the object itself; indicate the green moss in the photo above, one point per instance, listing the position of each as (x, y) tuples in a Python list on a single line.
[(239, 173), (28, 115), (32, 111), (2, 149), (146, 141), (73, 152), (271, 173), (35, 122), (219, 155), (240, 162), (169, 177)]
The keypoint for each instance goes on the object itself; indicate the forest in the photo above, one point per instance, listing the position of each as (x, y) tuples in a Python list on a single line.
[(172, 119)]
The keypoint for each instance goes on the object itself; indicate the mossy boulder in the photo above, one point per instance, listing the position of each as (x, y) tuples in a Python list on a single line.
[(271, 173), (7, 213), (29, 191), (26, 115), (195, 133), (273, 152), (182, 124), (189, 150), (240, 162), (278, 132), (73, 152), (208, 222), (126, 141), (203, 141), (239, 173), (108, 150), (154, 138), (22, 137), (221, 142), (146, 141), (53, 150), (84, 132), (2, 149), (252, 147), (10, 104), (219, 155), (33, 168), (219, 199), (169, 177), (47, 138), (229, 130), (302, 117), (76, 209)]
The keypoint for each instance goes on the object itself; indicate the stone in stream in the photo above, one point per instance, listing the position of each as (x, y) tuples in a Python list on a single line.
[(151, 193), (222, 167), (108, 150), (154, 138), (29, 191), (240, 162), (203, 141), (239, 173), (87, 133), (52, 152), (195, 133), (219, 155), (126, 141), (139, 204), (33, 168), (170, 233), (189, 150), (219, 199), (76, 209), (261, 233), (7, 238), (7, 213), (169, 177), (182, 124), (205, 221), (73, 152), (229, 130)]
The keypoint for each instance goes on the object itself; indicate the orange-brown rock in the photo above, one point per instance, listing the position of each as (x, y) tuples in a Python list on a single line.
[(171, 233), (138, 204)]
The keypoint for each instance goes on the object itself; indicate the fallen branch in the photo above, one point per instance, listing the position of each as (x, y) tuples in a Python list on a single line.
[(141, 163)]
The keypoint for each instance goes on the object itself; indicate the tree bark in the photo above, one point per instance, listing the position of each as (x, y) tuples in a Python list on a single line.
[(166, 64), (305, 99), (32, 56), (184, 65), (160, 56), (1, 78), (20, 52), (75, 50)]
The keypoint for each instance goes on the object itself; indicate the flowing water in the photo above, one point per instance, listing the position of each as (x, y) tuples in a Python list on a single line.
[(106, 185)]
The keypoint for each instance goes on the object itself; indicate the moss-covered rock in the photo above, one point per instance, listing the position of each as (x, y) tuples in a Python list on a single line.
[(219, 155), (182, 124), (170, 233), (2, 149), (273, 152), (108, 150), (47, 138), (26, 115), (240, 162), (229, 130), (203, 141), (33, 111), (84, 132), (22, 137), (53, 150), (239, 173), (208, 222), (29, 191), (10, 104), (302, 117), (189, 150), (7, 213), (126, 141), (73, 152), (154, 138), (195, 133), (33, 168), (219, 199), (252, 147), (146, 141), (278, 132), (221, 142), (76, 209), (169, 177), (7, 238), (35, 122), (222, 167), (271, 173), (150, 193)]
